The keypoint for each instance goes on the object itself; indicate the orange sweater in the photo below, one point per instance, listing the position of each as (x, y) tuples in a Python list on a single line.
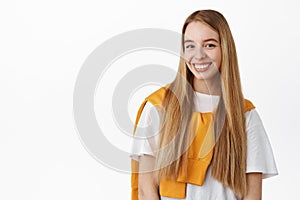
[(196, 165)]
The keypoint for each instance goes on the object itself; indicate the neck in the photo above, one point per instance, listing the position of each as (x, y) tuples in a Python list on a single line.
[(211, 86)]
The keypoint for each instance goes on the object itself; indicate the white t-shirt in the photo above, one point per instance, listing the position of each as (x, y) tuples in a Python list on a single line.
[(259, 152)]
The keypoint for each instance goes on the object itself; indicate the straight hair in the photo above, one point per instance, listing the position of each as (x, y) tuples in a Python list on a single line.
[(229, 154)]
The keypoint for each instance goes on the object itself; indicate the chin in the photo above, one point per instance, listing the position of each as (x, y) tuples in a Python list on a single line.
[(204, 77), (200, 76)]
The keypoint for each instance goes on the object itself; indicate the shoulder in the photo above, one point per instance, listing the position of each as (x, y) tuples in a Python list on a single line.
[(251, 114), (248, 105), (156, 98)]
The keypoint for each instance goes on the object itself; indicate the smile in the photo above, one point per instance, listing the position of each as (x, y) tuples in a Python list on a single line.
[(201, 67)]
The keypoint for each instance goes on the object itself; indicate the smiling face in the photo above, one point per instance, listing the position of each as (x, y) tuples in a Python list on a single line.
[(202, 51)]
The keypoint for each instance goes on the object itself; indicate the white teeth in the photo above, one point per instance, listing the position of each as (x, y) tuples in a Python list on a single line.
[(201, 66)]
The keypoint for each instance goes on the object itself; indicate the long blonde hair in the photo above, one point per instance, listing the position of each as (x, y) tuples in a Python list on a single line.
[(229, 159)]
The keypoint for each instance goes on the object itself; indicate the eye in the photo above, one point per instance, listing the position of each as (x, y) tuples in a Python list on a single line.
[(190, 46), (210, 46)]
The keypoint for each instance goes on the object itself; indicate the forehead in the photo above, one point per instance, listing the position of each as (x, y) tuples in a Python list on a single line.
[(198, 32)]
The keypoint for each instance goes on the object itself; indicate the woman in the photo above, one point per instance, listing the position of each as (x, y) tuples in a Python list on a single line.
[(202, 139)]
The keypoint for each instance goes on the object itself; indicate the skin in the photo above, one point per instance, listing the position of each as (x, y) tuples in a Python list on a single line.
[(148, 186), (201, 46), (254, 186)]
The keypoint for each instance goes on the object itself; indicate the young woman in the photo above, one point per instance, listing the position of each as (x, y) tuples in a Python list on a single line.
[(197, 137)]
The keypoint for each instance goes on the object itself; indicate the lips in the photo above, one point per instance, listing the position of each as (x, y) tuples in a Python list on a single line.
[(201, 67)]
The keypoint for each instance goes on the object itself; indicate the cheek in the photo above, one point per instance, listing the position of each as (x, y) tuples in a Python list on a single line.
[(189, 66), (219, 59), (188, 56), (216, 57)]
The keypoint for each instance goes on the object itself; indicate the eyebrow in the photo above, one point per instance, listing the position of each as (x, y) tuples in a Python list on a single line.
[(209, 39)]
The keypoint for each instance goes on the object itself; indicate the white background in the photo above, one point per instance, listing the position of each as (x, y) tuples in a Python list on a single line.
[(43, 45)]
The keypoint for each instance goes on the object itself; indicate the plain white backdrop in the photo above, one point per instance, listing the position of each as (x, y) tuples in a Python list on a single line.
[(43, 45)]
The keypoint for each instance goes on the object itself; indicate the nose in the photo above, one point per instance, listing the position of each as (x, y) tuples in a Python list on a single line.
[(199, 53)]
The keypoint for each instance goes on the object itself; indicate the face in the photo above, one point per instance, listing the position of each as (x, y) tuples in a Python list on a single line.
[(202, 50)]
